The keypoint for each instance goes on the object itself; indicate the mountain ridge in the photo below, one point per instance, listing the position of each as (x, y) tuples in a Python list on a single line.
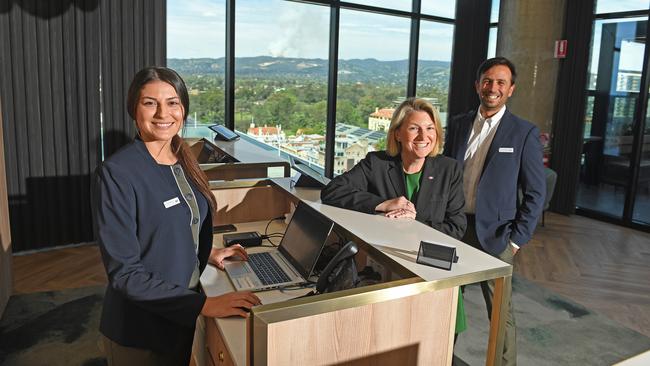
[(430, 72)]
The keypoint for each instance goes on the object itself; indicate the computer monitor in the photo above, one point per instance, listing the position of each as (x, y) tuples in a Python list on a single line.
[(304, 238), (307, 176)]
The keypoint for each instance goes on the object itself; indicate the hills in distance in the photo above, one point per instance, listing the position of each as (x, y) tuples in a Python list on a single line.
[(434, 73)]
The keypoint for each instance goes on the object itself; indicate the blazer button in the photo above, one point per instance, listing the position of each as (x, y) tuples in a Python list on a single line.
[(189, 196)]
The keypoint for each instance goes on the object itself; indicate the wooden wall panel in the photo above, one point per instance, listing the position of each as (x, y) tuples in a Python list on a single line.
[(5, 234), (237, 205)]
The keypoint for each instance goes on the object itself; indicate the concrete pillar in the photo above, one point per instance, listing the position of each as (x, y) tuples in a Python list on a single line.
[(527, 33)]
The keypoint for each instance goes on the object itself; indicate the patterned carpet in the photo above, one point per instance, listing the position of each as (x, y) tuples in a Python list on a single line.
[(52, 328), (551, 330), (60, 328)]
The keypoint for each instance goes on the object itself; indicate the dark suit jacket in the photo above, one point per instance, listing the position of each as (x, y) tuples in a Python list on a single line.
[(148, 252), (380, 177), (514, 159)]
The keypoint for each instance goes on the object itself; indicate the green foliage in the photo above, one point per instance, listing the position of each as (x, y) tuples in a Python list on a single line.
[(295, 104), (381, 144)]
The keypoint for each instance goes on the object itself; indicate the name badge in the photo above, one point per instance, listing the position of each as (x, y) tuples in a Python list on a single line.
[(506, 150), (172, 202)]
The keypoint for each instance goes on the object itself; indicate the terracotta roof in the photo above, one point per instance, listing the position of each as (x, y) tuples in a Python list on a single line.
[(263, 131), (383, 113)]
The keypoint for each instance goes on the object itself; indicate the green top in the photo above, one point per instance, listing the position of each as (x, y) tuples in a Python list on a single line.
[(412, 186)]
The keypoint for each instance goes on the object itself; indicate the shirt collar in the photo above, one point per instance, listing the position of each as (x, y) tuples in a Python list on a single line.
[(494, 120)]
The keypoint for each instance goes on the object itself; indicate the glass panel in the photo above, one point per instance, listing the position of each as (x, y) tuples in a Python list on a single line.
[(595, 48), (492, 42), (642, 202), (494, 13), (441, 8), (281, 75), (405, 5), (372, 76), (609, 121), (436, 43), (611, 6), (195, 49)]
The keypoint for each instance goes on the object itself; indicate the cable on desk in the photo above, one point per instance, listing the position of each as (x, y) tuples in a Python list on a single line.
[(268, 236)]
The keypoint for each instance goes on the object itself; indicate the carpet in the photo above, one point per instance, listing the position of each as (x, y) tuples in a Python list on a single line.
[(52, 328), (551, 330)]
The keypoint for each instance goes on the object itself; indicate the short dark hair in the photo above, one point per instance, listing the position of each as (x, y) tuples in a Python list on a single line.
[(491, 62), (156, 73)]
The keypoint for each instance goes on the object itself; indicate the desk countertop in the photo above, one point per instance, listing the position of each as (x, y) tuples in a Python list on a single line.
[(245, 151), (400, 239)]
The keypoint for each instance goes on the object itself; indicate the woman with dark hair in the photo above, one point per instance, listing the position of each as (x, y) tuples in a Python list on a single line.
[(410, 180), (153, 214)]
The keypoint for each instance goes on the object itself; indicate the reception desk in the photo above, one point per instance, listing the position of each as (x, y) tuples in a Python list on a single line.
[(408, 318), (238, 159)]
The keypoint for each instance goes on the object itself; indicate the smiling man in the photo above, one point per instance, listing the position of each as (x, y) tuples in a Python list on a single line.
[(500, 153)]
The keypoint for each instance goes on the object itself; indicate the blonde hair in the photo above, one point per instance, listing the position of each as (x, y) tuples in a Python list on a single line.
[(410, 105)]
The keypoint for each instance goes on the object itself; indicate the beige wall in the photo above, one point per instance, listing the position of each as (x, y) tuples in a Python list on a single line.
[(5, 236)]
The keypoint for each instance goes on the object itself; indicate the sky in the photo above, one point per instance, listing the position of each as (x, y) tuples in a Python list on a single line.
[(196, 28)]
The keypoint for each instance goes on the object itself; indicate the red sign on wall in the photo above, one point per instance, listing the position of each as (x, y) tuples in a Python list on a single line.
[(560, 48)]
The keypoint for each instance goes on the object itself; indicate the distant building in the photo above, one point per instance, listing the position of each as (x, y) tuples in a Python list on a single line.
[(271, 135), (628, 81), (379, 120), (352, 144), (355, 133)]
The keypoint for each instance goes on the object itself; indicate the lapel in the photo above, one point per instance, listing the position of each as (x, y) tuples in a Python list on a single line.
[(396, 176), (463, 132), (426, 184), (501, 137)]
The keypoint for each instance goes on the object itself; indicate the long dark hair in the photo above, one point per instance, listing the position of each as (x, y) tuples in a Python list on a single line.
[(179, 147)]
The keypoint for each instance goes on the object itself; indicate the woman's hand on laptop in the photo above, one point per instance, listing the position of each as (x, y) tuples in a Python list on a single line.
[(217, 255), (233, 303)]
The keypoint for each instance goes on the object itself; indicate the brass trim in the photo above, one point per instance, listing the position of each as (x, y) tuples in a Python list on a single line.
[(239, 183), (312, 305)]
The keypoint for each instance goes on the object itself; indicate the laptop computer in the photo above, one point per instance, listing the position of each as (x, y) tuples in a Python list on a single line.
[(293, 262)]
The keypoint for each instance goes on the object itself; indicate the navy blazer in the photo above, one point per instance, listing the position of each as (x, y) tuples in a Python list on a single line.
[(379, 177), (148, 252), (513, 160)]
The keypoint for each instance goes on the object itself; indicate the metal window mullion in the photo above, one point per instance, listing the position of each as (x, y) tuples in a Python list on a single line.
[(229, 82), (332, 80), (639, 135), (411, 85)]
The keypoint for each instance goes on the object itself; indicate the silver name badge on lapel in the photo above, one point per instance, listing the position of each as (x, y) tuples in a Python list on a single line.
[(507, 150), (172, 202)]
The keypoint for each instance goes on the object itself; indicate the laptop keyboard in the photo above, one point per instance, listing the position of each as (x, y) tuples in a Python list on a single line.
[(268, 271)]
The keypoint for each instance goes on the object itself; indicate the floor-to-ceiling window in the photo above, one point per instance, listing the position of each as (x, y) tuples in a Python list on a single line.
[(283, 51), (195, 49), (494, 27), (615, 162), (434, 57), (372, 74), (281, 74)]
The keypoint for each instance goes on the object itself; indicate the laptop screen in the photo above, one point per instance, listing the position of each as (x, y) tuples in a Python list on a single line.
[(305, 237)]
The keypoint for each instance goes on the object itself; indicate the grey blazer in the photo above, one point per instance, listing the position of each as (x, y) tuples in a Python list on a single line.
[(380, 177)]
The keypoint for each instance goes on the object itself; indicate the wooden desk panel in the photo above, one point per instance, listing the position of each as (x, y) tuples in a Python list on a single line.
[(422, 325)]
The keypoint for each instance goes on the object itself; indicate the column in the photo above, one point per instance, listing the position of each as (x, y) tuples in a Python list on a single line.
[(527, 33)]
